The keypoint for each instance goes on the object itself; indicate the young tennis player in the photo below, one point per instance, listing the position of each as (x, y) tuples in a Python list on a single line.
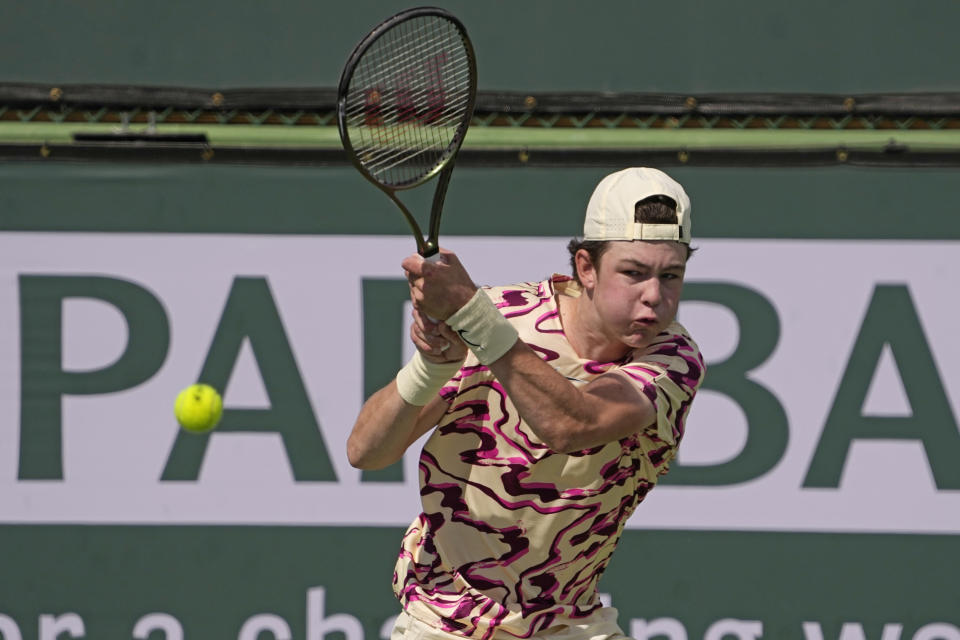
[(554, 408)]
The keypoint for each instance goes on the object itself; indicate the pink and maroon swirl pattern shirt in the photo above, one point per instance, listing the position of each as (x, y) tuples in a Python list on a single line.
[(513, 538)]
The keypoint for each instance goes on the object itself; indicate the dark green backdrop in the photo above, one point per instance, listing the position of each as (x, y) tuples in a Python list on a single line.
[(548, 45), (213, 578)]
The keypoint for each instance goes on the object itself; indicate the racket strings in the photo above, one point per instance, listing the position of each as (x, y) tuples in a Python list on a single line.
[(408, 99), (415, 98)]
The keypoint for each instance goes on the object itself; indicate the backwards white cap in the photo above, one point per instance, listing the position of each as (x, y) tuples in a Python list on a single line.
[(611, 210)]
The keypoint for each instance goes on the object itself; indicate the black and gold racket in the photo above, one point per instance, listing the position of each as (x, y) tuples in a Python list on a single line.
[(404, 104)]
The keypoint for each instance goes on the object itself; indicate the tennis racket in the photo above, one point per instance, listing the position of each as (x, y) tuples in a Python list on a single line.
[(404, 104)]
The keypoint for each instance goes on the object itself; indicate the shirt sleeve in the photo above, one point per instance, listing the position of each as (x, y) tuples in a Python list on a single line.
[(668, 373)]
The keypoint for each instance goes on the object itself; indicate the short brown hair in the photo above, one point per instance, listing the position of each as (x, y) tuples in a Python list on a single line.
[(652, 210)]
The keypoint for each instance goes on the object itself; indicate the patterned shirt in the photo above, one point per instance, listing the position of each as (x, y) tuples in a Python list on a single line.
[(513, 537)]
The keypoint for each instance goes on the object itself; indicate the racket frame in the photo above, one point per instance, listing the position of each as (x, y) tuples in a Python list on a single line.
[(426, 247)]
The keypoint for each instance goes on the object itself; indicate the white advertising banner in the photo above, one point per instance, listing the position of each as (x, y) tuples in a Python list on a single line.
[(857, 352)]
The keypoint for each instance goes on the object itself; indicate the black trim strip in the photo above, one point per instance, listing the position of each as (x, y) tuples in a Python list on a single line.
[(944, 104)]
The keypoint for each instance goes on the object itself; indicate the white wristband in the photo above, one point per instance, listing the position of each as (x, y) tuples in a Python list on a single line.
[(483, 328), (421, 379)]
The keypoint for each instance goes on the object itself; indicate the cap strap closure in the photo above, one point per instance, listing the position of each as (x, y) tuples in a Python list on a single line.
[(650, 231)]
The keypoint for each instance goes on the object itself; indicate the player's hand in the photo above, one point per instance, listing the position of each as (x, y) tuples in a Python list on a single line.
[(435, 340), (439, 288)]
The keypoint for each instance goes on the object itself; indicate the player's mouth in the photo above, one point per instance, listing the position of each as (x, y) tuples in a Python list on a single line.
[(644, 328)]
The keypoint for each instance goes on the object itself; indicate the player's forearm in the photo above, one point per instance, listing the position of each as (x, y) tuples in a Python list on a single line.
[(383, 430), (564, 417), (561, 415)]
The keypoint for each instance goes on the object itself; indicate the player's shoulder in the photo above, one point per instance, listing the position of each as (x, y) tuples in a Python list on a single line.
[(673, 348), (676, 331), (674, 337), (672, 359), (519, 295)]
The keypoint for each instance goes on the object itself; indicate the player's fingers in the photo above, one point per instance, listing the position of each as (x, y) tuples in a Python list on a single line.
[(447, 333), (419, 336), (430, 333), (425, 322), (417, 297), (413, 264), (437, 345), (447, 256), (428, 344), (455, 348), (421, 344), (415, 293)]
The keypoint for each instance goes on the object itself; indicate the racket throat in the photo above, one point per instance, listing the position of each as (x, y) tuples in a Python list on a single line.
[(425, 248)]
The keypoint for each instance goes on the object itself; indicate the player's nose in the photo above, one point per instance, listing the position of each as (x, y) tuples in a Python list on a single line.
[(651, 295)]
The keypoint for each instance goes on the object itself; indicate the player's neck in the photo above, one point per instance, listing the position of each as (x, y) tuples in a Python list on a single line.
[(582, 327)]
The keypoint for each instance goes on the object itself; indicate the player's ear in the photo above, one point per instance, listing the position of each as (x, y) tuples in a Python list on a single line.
[(586, 269)]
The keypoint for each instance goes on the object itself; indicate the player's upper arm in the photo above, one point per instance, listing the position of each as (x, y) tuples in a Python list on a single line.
[(623, 409)]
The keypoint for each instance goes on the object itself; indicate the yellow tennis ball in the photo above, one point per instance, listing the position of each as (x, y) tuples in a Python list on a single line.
[(198, 408)]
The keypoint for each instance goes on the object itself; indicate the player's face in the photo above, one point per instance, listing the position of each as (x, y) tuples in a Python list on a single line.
[(636, 288)]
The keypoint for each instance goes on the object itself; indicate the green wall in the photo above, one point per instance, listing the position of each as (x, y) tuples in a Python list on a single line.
[(540, 45), (731, 202), (214, 578)]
